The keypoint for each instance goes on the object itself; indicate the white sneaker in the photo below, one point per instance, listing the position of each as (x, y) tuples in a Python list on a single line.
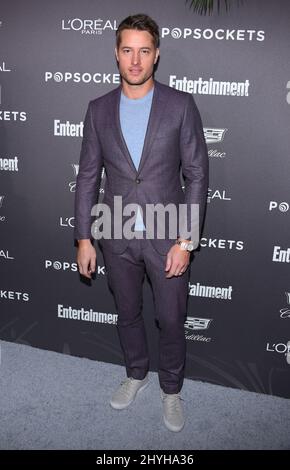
[(172, 411), (127, 392)]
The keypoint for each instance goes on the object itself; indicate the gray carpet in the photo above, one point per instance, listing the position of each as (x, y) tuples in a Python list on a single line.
[(56, 401)]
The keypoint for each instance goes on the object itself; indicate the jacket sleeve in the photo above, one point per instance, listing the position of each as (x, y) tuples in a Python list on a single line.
[(88, 179), (195, 166)]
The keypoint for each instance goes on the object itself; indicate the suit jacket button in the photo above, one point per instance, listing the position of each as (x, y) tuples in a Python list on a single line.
[(138, 180)]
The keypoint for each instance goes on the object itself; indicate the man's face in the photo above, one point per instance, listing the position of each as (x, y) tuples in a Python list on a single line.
[(136, 56)]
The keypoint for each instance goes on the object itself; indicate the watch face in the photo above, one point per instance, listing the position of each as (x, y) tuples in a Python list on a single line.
[(190, 247)]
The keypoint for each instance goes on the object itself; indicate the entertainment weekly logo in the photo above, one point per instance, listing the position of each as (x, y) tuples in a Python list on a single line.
[(80, 314), (67, 128), (201, 86), (220, 34), (211, 292), (89, 27), (9, 164), (281, 255)]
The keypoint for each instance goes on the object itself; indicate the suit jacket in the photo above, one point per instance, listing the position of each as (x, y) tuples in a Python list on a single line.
[(174, 142)]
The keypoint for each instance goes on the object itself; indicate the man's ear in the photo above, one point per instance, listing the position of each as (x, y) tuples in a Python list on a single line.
[(116, 54), (156, 55)]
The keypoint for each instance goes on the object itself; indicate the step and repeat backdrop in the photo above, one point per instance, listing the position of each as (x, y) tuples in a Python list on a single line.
[(54, 58)]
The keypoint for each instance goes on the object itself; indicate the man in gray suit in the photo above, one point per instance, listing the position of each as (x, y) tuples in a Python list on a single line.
[(143, 133)]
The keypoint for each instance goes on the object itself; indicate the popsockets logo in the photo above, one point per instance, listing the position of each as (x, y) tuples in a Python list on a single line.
[(280, 206), (69, 266), (218, 34), (82, 77), (175, 33), (222, 244), (60, 265), (14, 295), (7, 115)]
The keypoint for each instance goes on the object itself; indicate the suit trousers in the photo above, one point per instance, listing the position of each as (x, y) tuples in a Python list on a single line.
[(126, 272)]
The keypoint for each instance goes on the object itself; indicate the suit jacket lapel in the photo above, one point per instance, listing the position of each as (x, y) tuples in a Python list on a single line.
[(118, 130), (155, 116)]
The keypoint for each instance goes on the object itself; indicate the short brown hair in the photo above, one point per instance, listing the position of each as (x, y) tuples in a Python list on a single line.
[(140, 22)]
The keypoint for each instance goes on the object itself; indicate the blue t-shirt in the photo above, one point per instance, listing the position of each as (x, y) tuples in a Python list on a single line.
[(134, 116)]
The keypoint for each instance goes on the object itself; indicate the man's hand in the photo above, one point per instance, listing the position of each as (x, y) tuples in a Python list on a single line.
[(177, 261), (86, 258)]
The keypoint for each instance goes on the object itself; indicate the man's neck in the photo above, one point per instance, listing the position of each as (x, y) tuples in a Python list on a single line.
[(137, 91)]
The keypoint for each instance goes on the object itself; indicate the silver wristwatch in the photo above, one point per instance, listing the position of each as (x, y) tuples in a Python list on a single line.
[(186, 245)]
